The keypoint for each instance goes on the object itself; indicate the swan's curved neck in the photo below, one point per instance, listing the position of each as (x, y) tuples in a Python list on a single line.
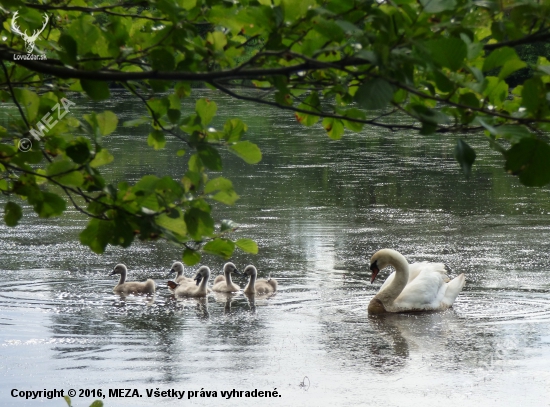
[(122, 277), (228, 280), (252, 281), (400, 280), (204, 283)]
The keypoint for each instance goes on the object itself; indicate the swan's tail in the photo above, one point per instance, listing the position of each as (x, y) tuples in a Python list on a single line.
[(454, 287), (273, 283), (150, 286)]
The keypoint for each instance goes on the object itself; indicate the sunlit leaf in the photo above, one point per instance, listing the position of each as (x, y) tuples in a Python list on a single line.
[(248, 151), (247, 245), (220, 247)]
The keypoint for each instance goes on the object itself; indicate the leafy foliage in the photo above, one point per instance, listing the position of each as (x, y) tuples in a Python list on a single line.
[(427, 66)]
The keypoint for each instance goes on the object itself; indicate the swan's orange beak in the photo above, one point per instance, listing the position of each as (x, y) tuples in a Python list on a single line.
[(374, 268)]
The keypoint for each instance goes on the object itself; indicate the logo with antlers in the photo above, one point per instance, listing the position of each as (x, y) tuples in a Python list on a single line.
[(29, 41)]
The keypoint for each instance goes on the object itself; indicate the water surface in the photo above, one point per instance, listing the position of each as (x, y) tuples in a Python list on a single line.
[(318, 209)]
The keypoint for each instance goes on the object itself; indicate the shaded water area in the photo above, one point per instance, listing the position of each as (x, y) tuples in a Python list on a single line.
[(318, 209)]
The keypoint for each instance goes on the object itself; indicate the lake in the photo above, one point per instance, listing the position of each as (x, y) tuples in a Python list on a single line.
[(318, 209)]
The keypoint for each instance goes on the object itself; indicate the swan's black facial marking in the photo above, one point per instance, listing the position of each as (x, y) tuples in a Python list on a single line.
[(375, 270)]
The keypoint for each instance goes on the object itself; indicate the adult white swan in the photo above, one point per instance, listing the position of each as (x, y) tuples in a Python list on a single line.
[(412, 287)]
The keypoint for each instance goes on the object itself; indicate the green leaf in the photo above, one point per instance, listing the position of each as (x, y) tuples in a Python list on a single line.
[(70, 47), (469, 99), (146, 184), (29, 100), (437, 6), (510, 67), (220, 247), (97, 403), (101, 158), (294, 9), (512, 133), (374, 94), (64, 171), (191, 257), (107, 122), (248, 151), (68, 400), (96, 90), (12, 213), (217, 39), (206, 109), (218, 184), (136, 122), (532, 94), (425, 114), (79, 152), (465, 155), (162, 60), (156, 139), (199, 223), (448, 52), (496, 90), (176, 225), (334, 127), (312, 104), (306, 119), (210, 157), (226, 197), (97, 235), (499, 57), (529, 160), (50, 205), (354, 113), (233, 130), (247, 245)]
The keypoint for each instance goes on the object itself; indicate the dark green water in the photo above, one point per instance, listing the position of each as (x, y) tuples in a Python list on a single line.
[(318, 209)]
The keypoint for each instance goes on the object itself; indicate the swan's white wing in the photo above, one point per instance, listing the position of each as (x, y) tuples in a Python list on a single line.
[(453, 289), (424, 292), (415, 269)]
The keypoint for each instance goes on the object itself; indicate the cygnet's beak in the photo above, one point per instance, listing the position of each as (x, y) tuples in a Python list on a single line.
[(237, 272), (112, 273), (375, 270), (170, 272), (198, 278)]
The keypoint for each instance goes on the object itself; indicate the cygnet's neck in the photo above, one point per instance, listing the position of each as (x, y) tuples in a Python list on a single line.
[(204, 282), (252, 281), (122, 277), (228, 280), (400, 280)]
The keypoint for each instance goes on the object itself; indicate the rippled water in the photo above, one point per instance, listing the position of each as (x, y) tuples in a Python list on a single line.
[(318, 209)]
